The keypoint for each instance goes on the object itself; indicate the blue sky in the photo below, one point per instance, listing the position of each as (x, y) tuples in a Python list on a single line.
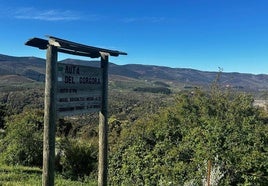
[(198, 34)]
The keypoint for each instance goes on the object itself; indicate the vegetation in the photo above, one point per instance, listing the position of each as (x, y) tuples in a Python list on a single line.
[(162, 90), (77, 158), (21, 175), (175, 146), (154, 139), (23, 141), (22, 144)]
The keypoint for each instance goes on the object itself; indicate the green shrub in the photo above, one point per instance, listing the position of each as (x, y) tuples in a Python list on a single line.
[(174, 146), (77, 158), (161, 90), (23, 141)]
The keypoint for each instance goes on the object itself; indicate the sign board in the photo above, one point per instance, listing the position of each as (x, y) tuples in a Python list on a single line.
[(79, 89)]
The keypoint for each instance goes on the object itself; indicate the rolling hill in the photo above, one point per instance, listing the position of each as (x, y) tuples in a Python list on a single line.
[(24, 67), (27, 69)]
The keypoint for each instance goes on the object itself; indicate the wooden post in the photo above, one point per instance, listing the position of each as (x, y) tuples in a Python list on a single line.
[(209, 172), (50, 116), (103, 126)]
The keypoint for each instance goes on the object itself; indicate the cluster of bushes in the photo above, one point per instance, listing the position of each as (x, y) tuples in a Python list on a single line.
[(76, 158), (21, 143), (217, 129), (161, 90), (220, 130)]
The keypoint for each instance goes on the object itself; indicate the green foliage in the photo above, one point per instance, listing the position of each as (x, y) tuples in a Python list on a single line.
[(130, 106), (173, 148), (23, 142), (21, 175), (78, 158), (162, 90), (27, 98)]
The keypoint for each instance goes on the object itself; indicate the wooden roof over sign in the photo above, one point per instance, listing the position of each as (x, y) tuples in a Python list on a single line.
[(70, 47)]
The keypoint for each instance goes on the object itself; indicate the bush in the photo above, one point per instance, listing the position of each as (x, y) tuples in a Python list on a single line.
[(173, 147), (161, 90), (23, 141), (77, 158)]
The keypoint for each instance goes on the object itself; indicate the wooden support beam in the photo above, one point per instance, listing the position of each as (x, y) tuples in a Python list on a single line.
[(50, 117), (103, 126)]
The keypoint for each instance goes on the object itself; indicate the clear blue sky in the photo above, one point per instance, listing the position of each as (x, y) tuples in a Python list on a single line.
[(198, 34)]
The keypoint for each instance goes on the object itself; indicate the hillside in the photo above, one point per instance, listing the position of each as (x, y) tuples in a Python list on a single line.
[(9, 79), (29, 67), (33, 69)]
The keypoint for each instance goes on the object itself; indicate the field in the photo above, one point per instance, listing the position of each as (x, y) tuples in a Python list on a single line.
[(32, 176)]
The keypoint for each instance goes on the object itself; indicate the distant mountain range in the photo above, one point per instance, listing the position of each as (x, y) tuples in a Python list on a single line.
[(29, 69)]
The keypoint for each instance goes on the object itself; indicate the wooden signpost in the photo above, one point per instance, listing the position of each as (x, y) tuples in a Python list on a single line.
[(71, 90), (50, 116)]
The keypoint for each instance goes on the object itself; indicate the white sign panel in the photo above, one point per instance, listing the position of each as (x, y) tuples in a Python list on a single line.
[(79, 89)]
